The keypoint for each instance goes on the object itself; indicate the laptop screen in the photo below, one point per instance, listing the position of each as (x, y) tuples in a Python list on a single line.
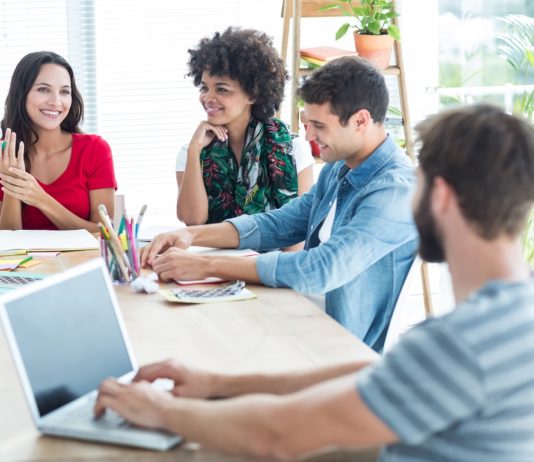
[(69, 339)]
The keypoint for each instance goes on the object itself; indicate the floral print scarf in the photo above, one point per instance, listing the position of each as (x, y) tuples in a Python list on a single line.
[(265, 179)]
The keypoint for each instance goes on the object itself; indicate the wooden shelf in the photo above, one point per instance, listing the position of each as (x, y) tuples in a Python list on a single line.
[(390, 70)]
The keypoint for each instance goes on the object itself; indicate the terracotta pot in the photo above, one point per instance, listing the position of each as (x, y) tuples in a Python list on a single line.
[(375, 48)]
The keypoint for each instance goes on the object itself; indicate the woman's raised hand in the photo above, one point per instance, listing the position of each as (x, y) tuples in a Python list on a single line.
[(206, 133), (10, 156)]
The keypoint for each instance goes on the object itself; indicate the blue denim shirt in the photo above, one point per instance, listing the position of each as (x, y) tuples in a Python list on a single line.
[(362, 266)]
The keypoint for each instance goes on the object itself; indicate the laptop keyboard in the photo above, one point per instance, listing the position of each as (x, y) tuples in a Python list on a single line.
[(109, 418), (13, 280)]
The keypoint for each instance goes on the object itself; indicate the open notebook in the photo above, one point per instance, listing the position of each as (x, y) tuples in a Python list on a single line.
[(33, 240)]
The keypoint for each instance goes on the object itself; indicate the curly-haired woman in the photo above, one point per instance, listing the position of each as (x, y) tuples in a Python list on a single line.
[(241, 160)]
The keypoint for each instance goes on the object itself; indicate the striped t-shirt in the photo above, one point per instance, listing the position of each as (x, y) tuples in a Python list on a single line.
[(461, 387)]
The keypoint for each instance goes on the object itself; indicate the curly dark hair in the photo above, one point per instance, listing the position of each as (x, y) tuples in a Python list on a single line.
[(247, 56)]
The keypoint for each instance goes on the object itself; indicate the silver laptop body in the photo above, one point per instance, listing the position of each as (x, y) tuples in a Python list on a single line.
[(66, 335)]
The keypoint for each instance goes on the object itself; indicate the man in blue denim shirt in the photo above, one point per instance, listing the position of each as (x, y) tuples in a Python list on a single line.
[(356, 221)]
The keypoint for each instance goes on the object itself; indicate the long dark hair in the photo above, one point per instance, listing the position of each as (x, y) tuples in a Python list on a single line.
[(15, 115)]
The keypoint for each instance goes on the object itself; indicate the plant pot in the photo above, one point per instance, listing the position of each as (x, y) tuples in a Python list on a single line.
[(375, 48)]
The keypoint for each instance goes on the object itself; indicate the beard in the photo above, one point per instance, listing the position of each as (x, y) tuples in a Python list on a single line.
[(430, 244)]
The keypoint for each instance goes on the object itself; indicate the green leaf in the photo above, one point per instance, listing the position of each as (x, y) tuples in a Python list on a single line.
[(394, 111), (394, 31), (374, 27), (342, 30)]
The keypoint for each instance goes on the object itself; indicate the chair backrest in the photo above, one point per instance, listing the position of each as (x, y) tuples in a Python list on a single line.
[(119, 209), (397, 318)]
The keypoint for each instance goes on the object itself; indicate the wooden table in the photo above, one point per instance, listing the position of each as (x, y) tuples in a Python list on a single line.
[(280, 330)]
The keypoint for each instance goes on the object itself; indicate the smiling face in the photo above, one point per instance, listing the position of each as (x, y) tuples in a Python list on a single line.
[(49, 100), (337, 142), (224, 101)]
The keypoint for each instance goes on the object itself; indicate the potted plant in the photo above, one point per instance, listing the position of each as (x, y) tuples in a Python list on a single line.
[(374, 29)]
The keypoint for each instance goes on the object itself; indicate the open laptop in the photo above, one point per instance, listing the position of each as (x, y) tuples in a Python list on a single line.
[(66, 335)]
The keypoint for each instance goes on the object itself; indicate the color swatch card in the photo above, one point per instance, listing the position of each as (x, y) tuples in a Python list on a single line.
[(228, 293)]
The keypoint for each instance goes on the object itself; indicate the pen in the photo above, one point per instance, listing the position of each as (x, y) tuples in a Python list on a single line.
[(25, 260), (121, 226), (103, 231), (140, 219)]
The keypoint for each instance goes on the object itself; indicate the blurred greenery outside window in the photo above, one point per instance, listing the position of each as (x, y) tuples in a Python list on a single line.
[(486, 50)]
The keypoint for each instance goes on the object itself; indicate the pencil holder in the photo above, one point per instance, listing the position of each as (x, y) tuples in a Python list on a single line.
[(114, 269)]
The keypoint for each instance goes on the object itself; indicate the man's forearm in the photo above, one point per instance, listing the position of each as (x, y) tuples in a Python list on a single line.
[(327, 414), (282, 383), (232, 268), (244, 426), (223, 235)]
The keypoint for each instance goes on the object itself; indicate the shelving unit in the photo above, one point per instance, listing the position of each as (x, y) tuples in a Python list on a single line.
[(311, 8)]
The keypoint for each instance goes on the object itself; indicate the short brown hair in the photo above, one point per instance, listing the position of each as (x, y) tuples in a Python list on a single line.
[(487, 156), (349, 84)]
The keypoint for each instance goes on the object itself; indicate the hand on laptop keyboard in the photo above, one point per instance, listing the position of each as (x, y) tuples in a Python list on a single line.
[(111, 418), (84, 413)]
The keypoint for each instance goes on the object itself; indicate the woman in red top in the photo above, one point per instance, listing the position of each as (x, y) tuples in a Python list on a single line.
[(56, 177)]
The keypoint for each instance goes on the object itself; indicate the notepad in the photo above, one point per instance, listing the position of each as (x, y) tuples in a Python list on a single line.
[(9, 264), (37, 240)]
